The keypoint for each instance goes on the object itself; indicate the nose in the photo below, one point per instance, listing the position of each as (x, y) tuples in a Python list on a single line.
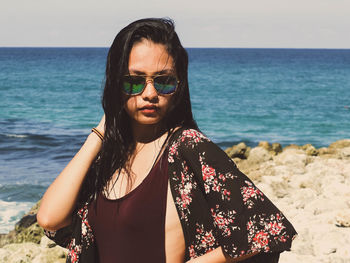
[(149, 91)]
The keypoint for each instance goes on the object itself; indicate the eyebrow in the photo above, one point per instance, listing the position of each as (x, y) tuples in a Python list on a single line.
[(141, 73)]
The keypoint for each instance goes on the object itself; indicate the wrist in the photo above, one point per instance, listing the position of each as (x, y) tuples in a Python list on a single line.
[(98, 133), (93, 139), (101, 129)]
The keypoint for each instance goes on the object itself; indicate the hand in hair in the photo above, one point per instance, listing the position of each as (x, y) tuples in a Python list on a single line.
[(55, 212)]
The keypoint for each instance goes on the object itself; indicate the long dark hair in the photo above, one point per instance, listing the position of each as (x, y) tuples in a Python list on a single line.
[(118, 142)]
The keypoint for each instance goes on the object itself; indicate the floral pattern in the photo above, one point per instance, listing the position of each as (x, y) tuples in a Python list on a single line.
[(192, 138), (74, 251), (224, 220), (216, 203), (250, 194), (184, 189), (265, 230), (172, 152), (86, 230), (207, 241), (213, 181)]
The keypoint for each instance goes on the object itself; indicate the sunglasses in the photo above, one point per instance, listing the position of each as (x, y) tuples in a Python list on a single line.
[(135, 84)]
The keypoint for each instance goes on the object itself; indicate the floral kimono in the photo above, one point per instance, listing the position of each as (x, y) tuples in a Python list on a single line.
[(216, 203)]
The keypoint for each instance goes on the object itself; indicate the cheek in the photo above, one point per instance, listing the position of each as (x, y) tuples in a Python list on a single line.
[(168, 102), (131, 105)]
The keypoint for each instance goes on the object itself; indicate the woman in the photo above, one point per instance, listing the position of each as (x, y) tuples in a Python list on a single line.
[(147, 186)]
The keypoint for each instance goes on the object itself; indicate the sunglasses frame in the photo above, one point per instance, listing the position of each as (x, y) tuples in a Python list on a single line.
[(150, 79)]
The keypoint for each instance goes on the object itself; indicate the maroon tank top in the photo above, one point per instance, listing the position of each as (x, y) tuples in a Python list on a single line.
[(132, 228)]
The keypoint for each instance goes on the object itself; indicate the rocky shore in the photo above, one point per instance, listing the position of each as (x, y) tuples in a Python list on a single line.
[(311, 186), (28, 244)]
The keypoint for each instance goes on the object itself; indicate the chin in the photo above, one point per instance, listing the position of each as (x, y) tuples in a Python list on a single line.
[(148, 121)]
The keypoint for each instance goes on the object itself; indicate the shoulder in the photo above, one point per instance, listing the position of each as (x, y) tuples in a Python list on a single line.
[(184, 141), (193, 145), (188, 137)]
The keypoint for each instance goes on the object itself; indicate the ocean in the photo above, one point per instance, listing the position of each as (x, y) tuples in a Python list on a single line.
[(51, 97)]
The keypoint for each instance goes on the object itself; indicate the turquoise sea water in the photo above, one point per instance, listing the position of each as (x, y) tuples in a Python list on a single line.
[(50, 99)]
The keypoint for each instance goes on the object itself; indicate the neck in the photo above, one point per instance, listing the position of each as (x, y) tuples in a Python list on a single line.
[(147, 133)]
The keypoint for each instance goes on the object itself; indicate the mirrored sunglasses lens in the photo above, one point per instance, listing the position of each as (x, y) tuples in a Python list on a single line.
[(133, 85), (137, 88), (165, 84), (127, 87)]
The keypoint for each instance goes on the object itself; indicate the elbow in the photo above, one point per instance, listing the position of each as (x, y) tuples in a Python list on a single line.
[(44, 221), (47, 221), (51, 219)]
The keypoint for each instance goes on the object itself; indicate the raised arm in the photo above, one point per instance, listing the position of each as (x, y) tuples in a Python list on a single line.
[(59, 199)]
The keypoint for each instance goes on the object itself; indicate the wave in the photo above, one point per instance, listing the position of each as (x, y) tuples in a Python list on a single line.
[(21, 192), (11, 213), (19, 146), (34, 137), (16, 135), (16, 200)]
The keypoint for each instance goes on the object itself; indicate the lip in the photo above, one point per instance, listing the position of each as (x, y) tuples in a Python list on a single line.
[(148, 109)]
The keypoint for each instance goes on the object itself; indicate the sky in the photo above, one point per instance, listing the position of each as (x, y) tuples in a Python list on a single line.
[(218, 23)]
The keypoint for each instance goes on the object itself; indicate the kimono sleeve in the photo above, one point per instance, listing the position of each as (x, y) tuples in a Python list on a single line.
[(63, 236), (246, 221), (77, 237)]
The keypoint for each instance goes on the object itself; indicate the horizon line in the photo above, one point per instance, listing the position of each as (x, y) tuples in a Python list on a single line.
[(313, 48)]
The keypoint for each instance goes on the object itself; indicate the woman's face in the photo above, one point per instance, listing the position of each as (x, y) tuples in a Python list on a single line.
[(149, 59)]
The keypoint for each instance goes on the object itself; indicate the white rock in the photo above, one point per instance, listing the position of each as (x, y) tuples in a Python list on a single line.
[(286, 172), (345, 152), (291, 157), (56, 254), (302, 197), (343, 218), (4, 254), (301, 244), (323, 204), (23, 252), (338, 258), (279, 186), (292, 257), (327, 244), (46, 242), (336, 189), (259, 155), (306, 180)]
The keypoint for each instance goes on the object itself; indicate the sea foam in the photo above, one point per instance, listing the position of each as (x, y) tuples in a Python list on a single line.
[(16, 135), (11, 213)]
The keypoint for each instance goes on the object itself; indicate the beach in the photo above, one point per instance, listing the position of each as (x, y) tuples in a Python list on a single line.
[(51, 98), (311, 186)]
